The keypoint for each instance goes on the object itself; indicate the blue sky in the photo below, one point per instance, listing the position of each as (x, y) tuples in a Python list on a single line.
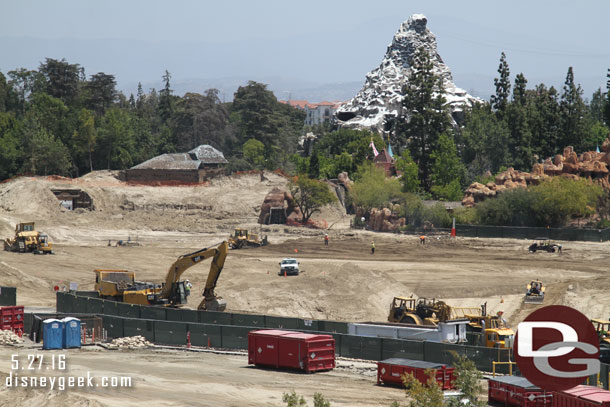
[(305, 43)]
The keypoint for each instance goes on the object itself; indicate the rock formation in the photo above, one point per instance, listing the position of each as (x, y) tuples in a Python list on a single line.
[(590, 165), (381, 94), (282, 203)]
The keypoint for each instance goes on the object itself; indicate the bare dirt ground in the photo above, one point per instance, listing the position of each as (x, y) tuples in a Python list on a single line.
[(341, 282)]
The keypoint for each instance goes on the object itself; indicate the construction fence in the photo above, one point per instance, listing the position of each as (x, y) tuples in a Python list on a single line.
[(8, 296), (531, 233)]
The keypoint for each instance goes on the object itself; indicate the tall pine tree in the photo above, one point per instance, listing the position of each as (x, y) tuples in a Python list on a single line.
[(573, 111), (499, 101), (423, 116)]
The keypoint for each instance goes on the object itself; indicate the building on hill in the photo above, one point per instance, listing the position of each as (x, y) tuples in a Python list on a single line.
[(385, 161), (315, 113), (198, 165)]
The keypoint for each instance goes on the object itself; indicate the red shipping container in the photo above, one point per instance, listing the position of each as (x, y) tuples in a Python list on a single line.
[(582, 396), (517, 391), (276, 348), (392, 370)]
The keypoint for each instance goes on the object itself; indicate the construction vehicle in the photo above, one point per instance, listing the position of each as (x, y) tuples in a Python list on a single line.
[(543, 243), (242, 238), (122, 286), (602, 328), (534, 293), (423, 311), (27, 239)]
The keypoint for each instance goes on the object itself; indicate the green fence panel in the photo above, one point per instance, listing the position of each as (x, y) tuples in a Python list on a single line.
[(8, 296), (111, 308), (170, 332), (60, 302), (113, 326), (234, 337), (371, 348), (361, 347), (466, 230), (603, 375), (90, 294), (592, 235), (143, 327), (182, 315), (199, 336), (307, 325), (214, 317), (95, 306), (333, 326), (280, 322), (152, 312), (214, 335), (128, 310), (400, 348), (27, 322), (80, 304), (252, 320), (69, 303), (441, 352)]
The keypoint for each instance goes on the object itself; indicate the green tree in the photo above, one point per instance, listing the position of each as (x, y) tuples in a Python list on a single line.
[(424, 116), (499, 101), (313, 170), (573, 111), (101, 92), (61, 79), (253, 151), (166, 101), (84, 137), (22, 81), (116, 139), (373, 189), (468, 382), (519, 95), (409, 178), (10, 145), (429, 394), (448, 171), (607, 104), (310, 196)]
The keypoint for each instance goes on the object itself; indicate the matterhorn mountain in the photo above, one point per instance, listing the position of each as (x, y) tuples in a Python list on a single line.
[(381, 94)]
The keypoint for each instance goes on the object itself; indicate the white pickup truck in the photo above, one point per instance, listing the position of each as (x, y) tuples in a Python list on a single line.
[(289, 267)]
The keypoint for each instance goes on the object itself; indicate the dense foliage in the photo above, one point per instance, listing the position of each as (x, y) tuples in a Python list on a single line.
[(55, 120)]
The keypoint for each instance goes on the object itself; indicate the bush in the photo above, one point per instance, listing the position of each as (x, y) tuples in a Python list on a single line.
[(464, 216), (552, 203)]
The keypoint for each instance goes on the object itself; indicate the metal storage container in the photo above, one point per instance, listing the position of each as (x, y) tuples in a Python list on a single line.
[(582, 396), (391, 371), (517, 391), (295, 350), (72, 332), (52, 334)]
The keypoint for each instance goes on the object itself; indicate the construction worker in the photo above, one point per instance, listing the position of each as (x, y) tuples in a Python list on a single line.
[(187, 287), (422, 239), (373, 247), (326, 239)]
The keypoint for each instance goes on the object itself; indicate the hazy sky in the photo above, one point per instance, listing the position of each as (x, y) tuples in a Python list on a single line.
[(313, 41)]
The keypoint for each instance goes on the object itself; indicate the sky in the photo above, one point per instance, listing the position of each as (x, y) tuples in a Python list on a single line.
[(324, 45)]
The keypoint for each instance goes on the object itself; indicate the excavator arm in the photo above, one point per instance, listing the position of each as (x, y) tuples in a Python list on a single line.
[(210, 301)]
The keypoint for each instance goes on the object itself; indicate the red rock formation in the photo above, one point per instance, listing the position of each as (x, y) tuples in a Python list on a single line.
[(590, 165), (277, 198)]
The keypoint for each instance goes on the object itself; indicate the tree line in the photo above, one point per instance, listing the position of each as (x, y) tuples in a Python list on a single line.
[(56, 120)]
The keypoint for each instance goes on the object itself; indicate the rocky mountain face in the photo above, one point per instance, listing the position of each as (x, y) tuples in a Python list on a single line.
[(381, 93)]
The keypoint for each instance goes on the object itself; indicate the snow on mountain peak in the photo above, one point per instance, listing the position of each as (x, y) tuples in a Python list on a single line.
[(381, 93)]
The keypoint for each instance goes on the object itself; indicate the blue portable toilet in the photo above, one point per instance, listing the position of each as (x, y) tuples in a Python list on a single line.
[(52, 334), (71, 337)]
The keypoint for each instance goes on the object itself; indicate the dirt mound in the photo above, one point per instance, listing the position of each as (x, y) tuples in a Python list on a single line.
[(30, 197)]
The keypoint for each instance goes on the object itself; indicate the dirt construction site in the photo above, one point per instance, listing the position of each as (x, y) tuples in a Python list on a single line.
[(342, 281)]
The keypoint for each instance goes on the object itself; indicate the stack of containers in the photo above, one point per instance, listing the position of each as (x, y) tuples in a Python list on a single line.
[(390, 371), (11, 319), (294, 350), (53, 334)]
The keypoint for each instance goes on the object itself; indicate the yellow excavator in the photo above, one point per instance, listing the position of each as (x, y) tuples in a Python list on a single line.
[(121, 284)]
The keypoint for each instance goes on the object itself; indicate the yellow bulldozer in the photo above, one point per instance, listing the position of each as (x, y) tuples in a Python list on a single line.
[(27, 239), (121, 285), (534, 293), (242, 238), (423, 311)]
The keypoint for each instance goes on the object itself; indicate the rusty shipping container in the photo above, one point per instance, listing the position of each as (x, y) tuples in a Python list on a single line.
[(293, 350), (390, 371), (517, 391), (582, 396)]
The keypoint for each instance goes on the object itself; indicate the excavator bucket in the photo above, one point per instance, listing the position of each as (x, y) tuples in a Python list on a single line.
[(533, 299)]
